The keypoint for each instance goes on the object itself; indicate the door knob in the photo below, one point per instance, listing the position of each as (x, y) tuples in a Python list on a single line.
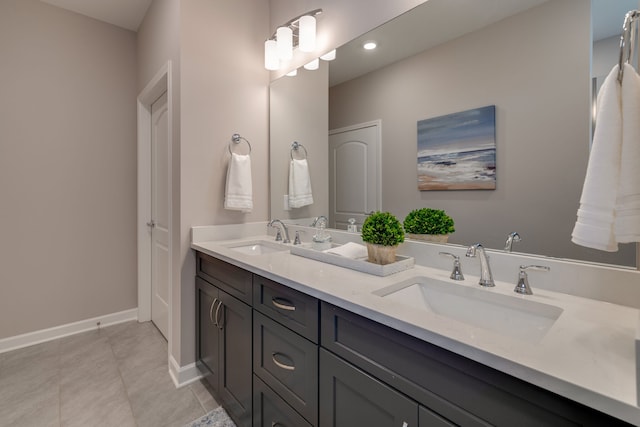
[(151, 224)]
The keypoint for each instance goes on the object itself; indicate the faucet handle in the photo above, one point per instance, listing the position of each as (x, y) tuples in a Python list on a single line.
[(523, 280), (278, 235), (297, 240), (456, 274)]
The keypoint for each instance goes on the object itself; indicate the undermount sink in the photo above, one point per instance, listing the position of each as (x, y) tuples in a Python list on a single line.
[(260, 247), (513, 317)]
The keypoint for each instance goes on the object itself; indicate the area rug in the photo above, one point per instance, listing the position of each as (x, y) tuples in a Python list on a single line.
[(216, 418)]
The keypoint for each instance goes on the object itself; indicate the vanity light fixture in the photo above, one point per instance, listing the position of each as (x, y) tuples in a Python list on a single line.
[(298, 32)]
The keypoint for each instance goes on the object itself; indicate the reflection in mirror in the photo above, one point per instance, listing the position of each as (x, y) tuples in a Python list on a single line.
[(534, 66)]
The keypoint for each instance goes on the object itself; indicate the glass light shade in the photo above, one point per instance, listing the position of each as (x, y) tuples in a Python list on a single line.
[(313, 65), (307, 33), (284, 37), (292, 73), (329, 56), (271, 61)]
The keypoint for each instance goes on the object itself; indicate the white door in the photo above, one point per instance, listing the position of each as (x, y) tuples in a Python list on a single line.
[(160, 273), (354, 173)]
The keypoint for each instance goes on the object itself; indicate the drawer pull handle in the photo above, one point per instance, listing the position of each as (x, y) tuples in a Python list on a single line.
[(211, 311), (283, 304), (280, 364), (220, 326), (275, 424)]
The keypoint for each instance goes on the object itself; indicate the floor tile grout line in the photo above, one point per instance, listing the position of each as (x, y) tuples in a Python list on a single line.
[(124, 385), (59, 382)]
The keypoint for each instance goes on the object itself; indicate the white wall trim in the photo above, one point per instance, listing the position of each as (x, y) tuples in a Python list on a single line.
[(184, 375), (37, 337)]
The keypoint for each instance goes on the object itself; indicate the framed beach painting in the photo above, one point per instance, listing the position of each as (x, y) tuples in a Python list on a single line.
[(458, 151)]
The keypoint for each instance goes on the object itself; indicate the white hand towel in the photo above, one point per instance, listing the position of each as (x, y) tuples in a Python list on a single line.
[(239, 191), (299, 184), (627, 222), (349, 250), (596, 215)]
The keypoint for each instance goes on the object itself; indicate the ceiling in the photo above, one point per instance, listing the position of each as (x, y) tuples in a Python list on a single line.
[(438, 21), (127, 14)]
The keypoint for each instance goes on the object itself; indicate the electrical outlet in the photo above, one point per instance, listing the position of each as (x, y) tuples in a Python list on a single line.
[(286, 203)]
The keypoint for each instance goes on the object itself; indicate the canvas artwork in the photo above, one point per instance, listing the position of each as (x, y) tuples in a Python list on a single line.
[(458, 151)]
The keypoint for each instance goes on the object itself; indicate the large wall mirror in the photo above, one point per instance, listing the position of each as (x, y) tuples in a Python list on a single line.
[(534, 60)]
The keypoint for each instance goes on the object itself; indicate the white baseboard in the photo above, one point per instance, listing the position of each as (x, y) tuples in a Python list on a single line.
[(37, 337), (183, 375)]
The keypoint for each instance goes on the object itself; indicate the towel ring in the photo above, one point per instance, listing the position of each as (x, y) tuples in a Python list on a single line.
[(628, 40), (237, 139), (295, 145)]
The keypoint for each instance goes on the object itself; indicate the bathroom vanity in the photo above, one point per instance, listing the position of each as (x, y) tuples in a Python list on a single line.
[(289, 341)]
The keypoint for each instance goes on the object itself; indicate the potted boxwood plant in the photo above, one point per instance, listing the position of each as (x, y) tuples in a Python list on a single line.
[(428, 224), (382, 232)]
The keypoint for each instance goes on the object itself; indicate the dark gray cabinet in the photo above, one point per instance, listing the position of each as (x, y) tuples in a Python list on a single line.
[(278, 357), (224, 327), (451, 387)]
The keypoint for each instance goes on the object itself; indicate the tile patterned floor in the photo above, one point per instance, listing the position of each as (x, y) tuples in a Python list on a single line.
[(113, 377)]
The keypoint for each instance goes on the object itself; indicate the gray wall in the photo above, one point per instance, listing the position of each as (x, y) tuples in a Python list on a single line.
[(535, 67), (67, 167), (300, 103)]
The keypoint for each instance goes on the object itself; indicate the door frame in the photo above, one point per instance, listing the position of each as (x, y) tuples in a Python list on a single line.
[(159, 84)]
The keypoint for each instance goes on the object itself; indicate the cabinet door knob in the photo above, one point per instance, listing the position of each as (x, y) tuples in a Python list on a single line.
[(283, 304), (280, 364)]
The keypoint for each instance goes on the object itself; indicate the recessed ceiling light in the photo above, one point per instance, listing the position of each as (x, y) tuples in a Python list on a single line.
[(369, 45)]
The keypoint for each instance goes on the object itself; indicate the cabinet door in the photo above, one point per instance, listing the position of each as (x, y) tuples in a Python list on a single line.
[(350, 397), (208, 333), (235, 390)]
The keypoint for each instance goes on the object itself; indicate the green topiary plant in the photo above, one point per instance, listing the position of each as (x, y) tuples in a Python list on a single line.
[(428, 221), (382, 228)]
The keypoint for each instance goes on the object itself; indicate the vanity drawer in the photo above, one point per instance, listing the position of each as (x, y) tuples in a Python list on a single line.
[(231, 279), (270, 410), (288, 363), (295, 310)]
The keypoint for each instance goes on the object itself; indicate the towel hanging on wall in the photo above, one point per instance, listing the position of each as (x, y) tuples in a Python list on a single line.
[(299, 184), (609, 210), (239, 190)]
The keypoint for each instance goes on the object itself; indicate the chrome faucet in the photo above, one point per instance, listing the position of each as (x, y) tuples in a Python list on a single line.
[(320, 223), (273, 223), (511, 239), (523, 281), (317, 221), (486, 278)]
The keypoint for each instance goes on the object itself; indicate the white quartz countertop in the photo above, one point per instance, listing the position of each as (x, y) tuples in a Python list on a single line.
[(588, 355)]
